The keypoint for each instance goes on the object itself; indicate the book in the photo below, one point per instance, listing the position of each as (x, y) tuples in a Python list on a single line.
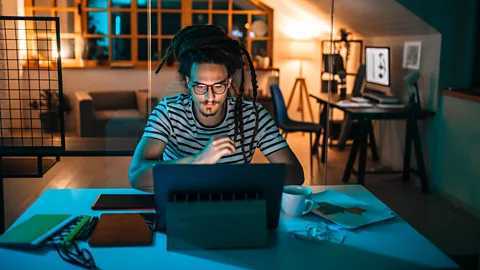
[(346, 211), (35, 230)]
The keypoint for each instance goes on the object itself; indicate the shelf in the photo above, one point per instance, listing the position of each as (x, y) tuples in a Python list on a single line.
[(467, 94)]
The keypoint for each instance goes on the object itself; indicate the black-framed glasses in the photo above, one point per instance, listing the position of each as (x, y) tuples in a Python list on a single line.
[(217, 89), (75, 255)]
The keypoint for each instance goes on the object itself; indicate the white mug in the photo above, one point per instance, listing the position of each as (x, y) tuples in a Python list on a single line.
[(296, 200)]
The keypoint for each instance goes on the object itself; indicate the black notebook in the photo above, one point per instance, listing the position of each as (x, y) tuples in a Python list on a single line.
[(124, 202)]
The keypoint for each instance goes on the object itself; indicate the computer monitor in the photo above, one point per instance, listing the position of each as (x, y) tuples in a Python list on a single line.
[(359, 80), (377, 61), (267, 179)]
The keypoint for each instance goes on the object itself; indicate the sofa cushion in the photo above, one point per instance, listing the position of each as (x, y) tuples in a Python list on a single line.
[(119, 123), (118, 115), (114, 100)]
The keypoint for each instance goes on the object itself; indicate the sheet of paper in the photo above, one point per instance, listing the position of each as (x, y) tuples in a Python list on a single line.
[(360, 99), (348, 103)]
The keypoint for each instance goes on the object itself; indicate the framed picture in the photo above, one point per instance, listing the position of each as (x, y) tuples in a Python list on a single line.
[(411, 54)]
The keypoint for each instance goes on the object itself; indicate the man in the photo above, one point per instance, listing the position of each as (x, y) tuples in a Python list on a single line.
[(208, 126)]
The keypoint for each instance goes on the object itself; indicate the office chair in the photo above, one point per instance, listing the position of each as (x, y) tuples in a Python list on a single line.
[(288, 126)]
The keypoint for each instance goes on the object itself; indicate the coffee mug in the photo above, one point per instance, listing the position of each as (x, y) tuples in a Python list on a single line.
[(296, 200)]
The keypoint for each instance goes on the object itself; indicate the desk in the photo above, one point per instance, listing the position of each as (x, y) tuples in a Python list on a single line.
[(392, 243), (364, 116)]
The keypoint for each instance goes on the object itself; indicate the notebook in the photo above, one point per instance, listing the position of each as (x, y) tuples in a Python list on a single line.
[(35, 230), (116, 230), (346, 211)]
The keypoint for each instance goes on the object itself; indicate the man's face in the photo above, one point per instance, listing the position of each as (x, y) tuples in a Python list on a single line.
[(208, 84)]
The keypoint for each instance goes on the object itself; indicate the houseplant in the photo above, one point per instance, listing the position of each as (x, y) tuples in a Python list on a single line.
[(343, 46), (49, 106)]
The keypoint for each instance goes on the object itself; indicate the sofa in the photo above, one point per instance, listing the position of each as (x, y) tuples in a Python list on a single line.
[(112, 113)]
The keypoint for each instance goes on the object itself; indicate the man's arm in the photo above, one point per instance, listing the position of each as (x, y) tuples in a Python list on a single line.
[(149, 152), (295, 175)]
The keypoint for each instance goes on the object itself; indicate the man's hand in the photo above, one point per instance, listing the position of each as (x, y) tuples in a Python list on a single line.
[(216, 148)]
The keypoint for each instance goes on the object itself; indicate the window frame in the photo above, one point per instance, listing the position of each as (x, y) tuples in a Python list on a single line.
[(186, 12), (76, 35)]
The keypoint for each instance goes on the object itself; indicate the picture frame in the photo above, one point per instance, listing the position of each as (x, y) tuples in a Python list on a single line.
[(412, 55)]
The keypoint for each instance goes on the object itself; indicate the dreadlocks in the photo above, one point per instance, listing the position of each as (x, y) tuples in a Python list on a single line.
[(202, 44)]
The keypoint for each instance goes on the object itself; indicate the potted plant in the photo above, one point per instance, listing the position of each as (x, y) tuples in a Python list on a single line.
[(49, 103), (343, 47)]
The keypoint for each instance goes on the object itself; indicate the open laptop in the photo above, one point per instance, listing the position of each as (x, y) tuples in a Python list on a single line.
[(267, 179)]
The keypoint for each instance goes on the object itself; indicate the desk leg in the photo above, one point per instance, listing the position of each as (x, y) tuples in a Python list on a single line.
[(408, 150), (316, 142), (373, 143), (324, 122), (353, 154), (324, 145), (419, 157), (362, 161), (40, 166)]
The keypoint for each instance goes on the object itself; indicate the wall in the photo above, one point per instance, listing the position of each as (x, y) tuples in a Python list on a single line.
[(303, 20), (455, 172), (391, 134)]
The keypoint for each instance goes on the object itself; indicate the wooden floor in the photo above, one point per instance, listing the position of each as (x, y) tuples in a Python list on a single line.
[(448, 227)]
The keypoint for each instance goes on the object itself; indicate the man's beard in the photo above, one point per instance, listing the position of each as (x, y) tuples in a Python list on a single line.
[(208, 112)]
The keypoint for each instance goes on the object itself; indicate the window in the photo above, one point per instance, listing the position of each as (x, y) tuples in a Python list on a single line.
[(103, 33), (248, 21), (70, 29)]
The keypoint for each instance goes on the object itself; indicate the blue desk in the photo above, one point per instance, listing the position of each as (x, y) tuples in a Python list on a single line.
[(391, 244)]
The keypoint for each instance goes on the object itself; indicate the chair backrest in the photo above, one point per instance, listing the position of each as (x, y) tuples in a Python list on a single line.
[(281, 115), (359, 79)]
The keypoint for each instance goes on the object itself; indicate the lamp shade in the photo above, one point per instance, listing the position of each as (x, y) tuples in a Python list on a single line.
[(301, 50)]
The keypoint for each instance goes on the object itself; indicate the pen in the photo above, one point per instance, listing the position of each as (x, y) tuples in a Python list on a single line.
[(91, 228), (71, 236), (83, 233), (82, 230)]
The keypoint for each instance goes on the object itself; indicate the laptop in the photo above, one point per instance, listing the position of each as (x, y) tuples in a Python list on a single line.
[(266, 179)]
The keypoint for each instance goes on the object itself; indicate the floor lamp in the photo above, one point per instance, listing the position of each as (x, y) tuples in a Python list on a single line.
[(302, 51)]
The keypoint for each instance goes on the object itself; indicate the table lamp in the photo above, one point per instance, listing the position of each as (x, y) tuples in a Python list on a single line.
[(301, 51)]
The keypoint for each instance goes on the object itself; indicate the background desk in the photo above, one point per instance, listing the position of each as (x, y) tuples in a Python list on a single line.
[(390, 244), (364, 116)]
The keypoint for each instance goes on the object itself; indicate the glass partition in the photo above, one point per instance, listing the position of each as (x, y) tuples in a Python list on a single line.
[(296, 57), (109, 48)]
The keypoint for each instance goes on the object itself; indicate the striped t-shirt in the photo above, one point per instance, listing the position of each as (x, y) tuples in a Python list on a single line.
[(173, 122)]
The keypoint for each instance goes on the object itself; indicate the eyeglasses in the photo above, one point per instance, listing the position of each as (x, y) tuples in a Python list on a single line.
[(77, 256), (218, 88)]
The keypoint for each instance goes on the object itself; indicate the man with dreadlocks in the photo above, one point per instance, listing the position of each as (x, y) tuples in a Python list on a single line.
[(209, 126)]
